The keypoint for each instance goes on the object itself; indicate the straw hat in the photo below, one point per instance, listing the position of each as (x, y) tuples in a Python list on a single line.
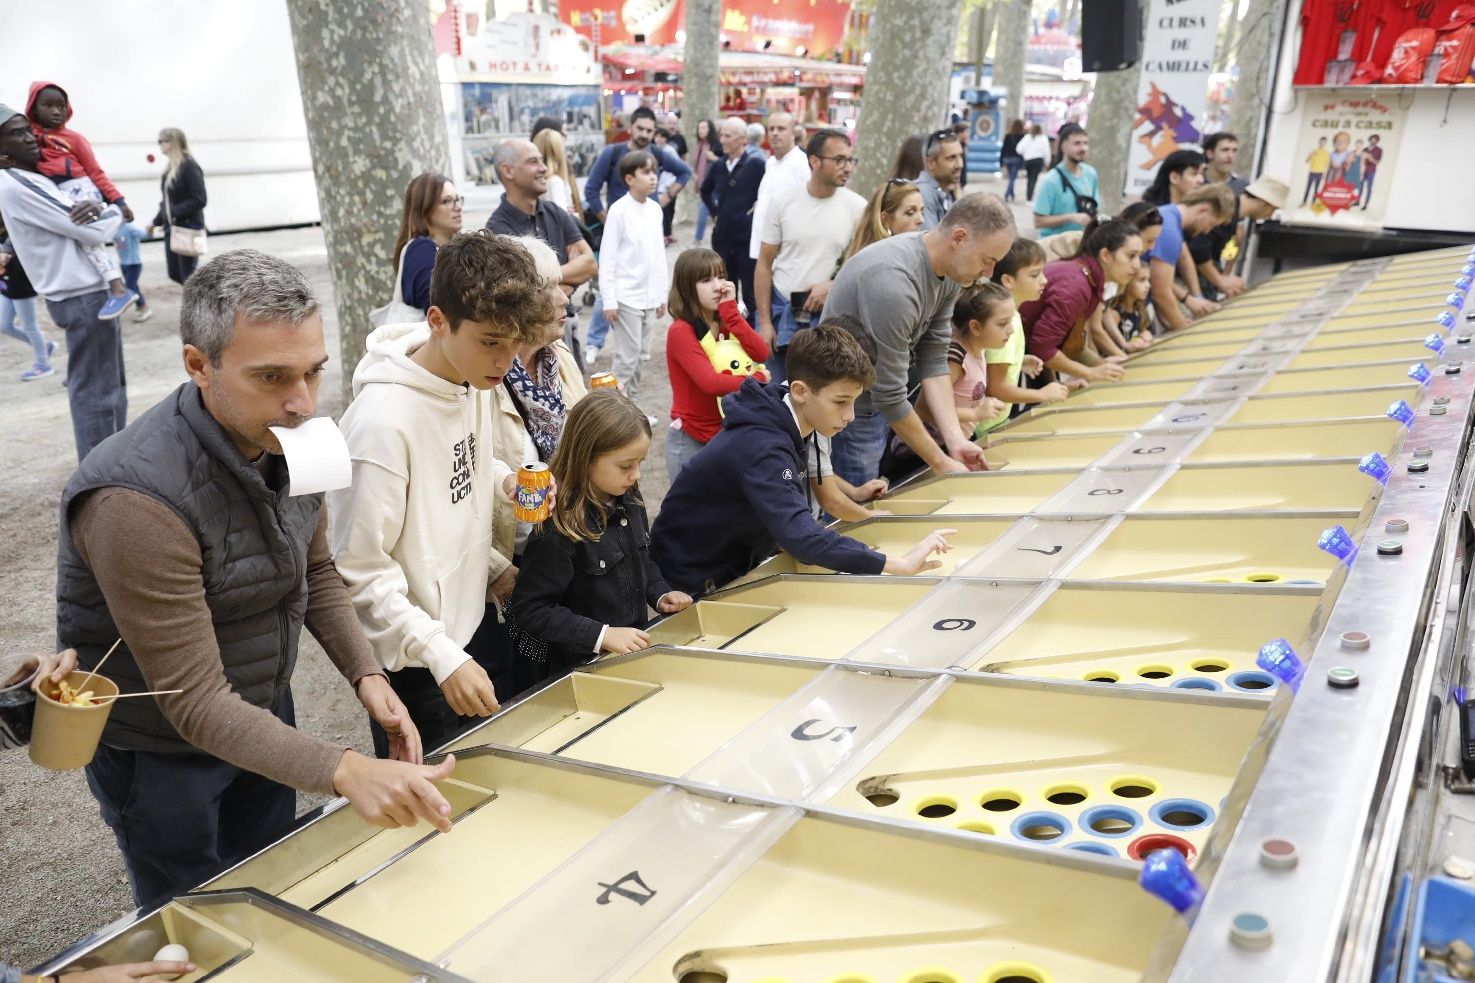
[(1270, 189)]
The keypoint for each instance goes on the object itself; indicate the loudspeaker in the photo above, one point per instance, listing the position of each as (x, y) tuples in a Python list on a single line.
[(1111, 34)]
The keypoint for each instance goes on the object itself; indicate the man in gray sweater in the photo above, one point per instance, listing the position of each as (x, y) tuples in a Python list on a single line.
[(49, 232), (902, 289)]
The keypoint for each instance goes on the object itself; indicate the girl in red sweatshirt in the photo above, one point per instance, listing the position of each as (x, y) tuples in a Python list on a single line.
[(703, 311)]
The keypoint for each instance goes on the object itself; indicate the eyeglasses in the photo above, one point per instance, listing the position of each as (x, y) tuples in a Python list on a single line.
[(841, 161), (938, 136), (451, 201)]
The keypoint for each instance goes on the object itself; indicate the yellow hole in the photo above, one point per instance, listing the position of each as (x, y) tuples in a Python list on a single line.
[(1262, 578), (977, 827), (1065, 795), (1218, 580), (1016, 973), (1000, 800), (1209, 665), (851, 978), (936, 807), (1155, 672), (1133, 787), (932, 976), (1102, 676)]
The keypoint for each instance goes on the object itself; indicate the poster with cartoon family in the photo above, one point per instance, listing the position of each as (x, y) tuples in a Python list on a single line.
[(1346, 153)]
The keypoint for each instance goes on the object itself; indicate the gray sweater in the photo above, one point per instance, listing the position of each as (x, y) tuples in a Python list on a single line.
[(890, 286), (46, 239)]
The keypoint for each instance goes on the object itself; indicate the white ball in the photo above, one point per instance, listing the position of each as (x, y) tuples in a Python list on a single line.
[(171, 953)]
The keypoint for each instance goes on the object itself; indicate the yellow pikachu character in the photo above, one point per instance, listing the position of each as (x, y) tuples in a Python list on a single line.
[(729, 358)]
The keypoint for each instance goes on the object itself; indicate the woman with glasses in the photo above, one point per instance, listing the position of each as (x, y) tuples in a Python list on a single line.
[(182, 189), (431, 217)]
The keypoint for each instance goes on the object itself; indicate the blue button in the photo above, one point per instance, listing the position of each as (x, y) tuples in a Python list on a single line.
[(1446, 318), (1339, 543), (1435, 344), (1376, 467), (1419, 372), (1281, 661), (1165, 875), (1402, 412)]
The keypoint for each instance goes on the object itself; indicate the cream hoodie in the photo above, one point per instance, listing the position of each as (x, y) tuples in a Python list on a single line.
[(412, 536)]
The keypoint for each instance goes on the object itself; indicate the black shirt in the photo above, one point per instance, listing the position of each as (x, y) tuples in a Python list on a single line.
[(548, 222), (14, 283)]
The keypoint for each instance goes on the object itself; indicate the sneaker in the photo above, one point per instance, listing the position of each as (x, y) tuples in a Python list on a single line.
[(143, 314), (590, 354), (651, 419), (115, 306), (37, 372)]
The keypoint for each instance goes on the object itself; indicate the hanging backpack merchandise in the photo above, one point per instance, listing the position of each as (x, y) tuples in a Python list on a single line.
[(1454, 47), (1410, 54)]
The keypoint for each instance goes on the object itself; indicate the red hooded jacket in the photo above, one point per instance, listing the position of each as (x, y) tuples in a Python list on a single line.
[(65, 153)]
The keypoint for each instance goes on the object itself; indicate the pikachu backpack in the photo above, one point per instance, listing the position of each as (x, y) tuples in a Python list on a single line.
[(729, 358)]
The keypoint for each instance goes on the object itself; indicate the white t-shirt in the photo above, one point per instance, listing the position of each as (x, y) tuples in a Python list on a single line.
[(817, 465), (779, 175), (811, 233)]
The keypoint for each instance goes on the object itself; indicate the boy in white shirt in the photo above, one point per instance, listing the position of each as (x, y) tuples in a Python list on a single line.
[(412, 535), (633, 280)]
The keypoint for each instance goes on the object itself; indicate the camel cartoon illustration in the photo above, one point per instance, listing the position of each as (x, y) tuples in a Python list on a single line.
[(1169, 126)]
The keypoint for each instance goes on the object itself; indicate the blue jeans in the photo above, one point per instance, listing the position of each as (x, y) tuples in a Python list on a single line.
[(131, 272), (29, 332), (681, 447), (856, 451), (1012, 166), (598, 328), (785, 327), (181, 818), (703, 217), (96, 386)]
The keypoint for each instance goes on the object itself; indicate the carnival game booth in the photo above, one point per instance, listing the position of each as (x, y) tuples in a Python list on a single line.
[(1172, 710)]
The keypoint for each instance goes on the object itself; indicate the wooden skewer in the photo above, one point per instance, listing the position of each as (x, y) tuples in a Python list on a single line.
[(99, 665), (124, 696)]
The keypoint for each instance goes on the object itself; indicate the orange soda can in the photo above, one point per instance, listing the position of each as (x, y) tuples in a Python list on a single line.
[(603, 380), (533, 484)]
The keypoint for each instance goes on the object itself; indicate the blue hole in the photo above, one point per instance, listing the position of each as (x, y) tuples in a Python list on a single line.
[(1041, 827), (1251, 681), (1304, 583), (1111, 822), (1181, 814), (1207, 684), (1098, 848)]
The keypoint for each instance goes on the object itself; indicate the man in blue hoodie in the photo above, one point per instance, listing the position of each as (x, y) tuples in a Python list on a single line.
[(705, 535)]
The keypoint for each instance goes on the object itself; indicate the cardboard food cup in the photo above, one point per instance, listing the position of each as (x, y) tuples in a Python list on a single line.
[(66, 737)]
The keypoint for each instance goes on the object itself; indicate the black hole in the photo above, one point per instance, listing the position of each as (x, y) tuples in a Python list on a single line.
[(1262, 578), (1000, 803), (1211, 667), (1066, 798), (1132, 790), (1254, 682), (1041, 831), (1016, 978), (881, 798), (703, 976), (1111, 824), (1100, 679), (1183, 817), (937, 810), (1154, 674)]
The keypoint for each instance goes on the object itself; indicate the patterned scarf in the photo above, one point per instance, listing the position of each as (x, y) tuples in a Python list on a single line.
[(541, 399)]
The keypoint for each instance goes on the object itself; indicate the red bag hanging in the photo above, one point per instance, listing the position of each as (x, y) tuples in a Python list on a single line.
[(1455, 46), (1410, 55)]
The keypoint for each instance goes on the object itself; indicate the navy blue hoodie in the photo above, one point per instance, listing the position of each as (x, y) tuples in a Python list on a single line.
[(745, 491)]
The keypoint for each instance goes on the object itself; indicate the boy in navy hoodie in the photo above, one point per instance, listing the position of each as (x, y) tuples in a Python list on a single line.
[(706, 535)]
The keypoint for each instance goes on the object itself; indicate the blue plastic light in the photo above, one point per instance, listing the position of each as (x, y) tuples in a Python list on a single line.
[(1165, 875), (1447, 318), (1434, 343), (1402, 412), (1455, 300), (1339, 543), (1376, 467), (1281, 661), (1464, 282), (1468, 269), (1419, 372)]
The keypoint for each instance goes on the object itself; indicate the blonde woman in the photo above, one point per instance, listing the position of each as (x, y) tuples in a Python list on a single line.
[(182, 190), (561, 185), (895, 209)]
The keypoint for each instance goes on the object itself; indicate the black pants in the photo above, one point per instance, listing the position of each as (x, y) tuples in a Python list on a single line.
[(179, 267), (181, 818), (437, 723), (1032, 169), (668, 216), (739, 270)]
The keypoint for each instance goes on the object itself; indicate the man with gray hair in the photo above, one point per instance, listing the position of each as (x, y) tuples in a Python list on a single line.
[(787, 167), (183, 550), (902, 289), (730, 192)]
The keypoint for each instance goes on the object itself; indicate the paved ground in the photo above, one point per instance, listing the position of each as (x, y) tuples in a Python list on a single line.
[(60, 872)]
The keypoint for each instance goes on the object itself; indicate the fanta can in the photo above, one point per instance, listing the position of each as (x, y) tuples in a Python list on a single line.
[(533, 484)]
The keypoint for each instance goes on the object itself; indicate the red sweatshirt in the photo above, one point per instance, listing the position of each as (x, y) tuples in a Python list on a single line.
[(65, 153), (695, 385)]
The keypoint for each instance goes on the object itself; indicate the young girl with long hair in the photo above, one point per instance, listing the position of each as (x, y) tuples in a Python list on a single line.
[(703, 309), (587, 576)]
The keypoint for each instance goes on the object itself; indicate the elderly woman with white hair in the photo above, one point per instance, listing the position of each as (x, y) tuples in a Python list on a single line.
[(532, 404)]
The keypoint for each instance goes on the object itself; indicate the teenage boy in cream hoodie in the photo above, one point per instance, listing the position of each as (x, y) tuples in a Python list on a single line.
[(412, 536)]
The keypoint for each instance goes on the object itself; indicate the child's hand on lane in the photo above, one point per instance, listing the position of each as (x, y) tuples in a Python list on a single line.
[(622, 641), (673, 601)]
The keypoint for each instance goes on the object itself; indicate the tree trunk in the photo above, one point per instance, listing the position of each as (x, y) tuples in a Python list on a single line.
[(907, 81), (1113, 107), (1072, 12), (374, 120), (1260, 34), (699, 68), (1010, 49), (1228, 39)]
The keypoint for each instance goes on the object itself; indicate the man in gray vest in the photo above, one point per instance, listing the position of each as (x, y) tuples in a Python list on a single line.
[(179, 540)]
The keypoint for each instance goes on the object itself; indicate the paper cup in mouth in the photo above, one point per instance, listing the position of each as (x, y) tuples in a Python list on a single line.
[(64, 736)]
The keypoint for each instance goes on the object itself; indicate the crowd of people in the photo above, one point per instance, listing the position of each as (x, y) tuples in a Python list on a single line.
[(828, 343)]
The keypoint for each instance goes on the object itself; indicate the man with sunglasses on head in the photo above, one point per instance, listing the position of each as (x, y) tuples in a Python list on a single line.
[(804, 232), (942, 158), (1069, 192)]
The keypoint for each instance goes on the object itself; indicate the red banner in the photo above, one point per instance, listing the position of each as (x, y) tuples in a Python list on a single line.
[(817, 26)]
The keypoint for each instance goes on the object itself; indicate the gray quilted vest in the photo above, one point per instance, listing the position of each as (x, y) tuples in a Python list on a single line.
[(253, 541)]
